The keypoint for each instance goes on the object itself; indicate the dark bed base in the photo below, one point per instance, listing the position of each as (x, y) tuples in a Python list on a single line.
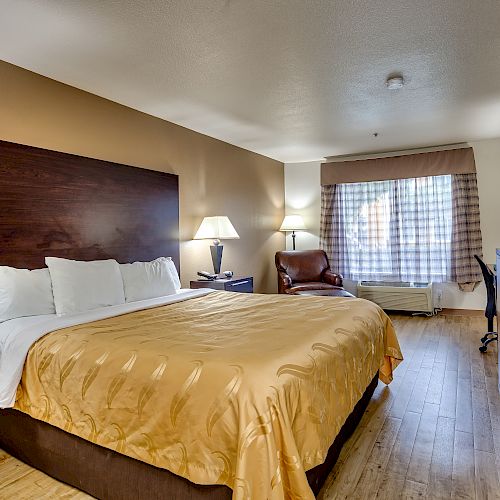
[(107, 474)]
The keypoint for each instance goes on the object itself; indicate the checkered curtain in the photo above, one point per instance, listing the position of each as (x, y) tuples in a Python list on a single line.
[(404, 229), (466, 237)]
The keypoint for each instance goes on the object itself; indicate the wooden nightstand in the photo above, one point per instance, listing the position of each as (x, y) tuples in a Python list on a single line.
[(242, 284)]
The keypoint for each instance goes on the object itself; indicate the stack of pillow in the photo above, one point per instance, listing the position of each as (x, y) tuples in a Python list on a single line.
[(71, 286)]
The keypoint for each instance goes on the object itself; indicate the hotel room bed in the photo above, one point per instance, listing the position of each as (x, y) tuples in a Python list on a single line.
[(247, 391), (196, 395)]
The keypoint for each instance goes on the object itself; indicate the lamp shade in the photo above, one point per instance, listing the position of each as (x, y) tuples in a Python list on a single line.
[(218, 227), (293, 223)]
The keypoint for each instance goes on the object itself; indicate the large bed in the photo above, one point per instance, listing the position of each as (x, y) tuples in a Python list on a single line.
[(199, 394)]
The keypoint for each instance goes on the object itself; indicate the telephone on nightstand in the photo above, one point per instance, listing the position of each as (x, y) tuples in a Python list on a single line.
[(207, 275)]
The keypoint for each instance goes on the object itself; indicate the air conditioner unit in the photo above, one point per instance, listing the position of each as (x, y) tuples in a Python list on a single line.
[(395, 296)]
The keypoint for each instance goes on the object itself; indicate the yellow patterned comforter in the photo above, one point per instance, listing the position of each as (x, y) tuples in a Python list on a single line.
[(243, 390)]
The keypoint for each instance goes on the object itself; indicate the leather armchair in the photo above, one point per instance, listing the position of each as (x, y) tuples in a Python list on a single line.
[(305, 271)]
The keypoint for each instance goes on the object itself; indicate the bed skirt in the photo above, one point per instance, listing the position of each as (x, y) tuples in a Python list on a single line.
[(107, 474)]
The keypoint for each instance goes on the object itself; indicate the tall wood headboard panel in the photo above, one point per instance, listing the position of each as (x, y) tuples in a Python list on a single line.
[(80, 208)]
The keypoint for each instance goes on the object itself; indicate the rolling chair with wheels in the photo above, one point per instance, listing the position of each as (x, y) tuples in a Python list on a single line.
[(491, 306)]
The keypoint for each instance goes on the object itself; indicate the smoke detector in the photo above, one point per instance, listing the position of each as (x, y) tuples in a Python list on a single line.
[(395, 82)]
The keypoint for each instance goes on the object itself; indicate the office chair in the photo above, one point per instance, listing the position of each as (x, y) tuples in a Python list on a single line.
[(491, 306)]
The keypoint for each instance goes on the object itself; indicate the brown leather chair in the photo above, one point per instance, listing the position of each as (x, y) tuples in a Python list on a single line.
[(307, 273)]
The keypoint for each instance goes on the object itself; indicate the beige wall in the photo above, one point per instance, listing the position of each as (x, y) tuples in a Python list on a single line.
[(215, 178), (303, 196)]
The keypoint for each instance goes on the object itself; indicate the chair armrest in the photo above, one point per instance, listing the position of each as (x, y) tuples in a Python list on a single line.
[(284, 282), (332, 278)]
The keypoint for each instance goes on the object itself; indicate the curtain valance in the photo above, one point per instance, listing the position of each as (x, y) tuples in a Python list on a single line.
[(452, 161)]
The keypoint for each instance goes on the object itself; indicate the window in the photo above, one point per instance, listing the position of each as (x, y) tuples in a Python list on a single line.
[(410, 217), (393, 230)]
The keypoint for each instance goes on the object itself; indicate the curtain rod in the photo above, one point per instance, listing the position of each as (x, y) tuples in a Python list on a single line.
[(389, 154)]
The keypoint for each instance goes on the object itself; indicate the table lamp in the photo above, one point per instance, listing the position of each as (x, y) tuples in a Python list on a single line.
[(216, 228), (293, 223)]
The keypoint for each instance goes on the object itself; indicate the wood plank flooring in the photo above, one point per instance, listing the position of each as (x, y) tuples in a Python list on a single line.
[(433, 433)]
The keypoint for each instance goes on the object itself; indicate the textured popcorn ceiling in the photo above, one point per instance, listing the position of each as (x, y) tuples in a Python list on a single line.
[(291, 79)]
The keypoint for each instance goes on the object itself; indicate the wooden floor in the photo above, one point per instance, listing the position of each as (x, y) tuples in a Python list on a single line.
[(433, 433)]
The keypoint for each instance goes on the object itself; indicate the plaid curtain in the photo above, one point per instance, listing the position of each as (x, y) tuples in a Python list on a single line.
[(466, 238), (404, 229)]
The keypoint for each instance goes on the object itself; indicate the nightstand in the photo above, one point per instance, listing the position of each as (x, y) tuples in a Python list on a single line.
[(242, 284)]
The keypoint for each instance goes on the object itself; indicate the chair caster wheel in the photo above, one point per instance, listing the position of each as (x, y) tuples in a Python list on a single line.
[(484, 339), (483, 348)]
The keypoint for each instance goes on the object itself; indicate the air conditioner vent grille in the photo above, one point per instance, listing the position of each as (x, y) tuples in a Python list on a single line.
[(415, 297)]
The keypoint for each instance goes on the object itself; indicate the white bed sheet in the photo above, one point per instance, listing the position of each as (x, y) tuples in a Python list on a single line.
[(18, 335)]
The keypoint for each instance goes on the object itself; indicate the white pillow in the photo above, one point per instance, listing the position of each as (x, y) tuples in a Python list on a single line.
[(147, 280), (173, 272), (81, 286), (25, 293)]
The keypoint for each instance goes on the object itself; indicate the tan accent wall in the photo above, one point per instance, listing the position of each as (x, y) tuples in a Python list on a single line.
[(215, 178)]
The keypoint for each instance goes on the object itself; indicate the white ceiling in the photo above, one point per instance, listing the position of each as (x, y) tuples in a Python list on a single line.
[(292, 79)]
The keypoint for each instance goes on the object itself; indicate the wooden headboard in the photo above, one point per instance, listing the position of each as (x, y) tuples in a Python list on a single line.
[(62, 205)]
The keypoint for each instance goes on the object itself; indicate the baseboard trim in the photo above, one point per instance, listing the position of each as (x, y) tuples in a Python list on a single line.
[(462, 312)]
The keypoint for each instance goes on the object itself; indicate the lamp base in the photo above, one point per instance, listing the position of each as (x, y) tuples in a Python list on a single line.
[(216, 251)]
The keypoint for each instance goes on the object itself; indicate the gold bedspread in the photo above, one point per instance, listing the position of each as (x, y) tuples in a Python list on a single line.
[(243, 390)]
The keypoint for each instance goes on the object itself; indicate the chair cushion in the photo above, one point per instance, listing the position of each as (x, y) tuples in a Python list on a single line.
[(336, 292), (310, 285)]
